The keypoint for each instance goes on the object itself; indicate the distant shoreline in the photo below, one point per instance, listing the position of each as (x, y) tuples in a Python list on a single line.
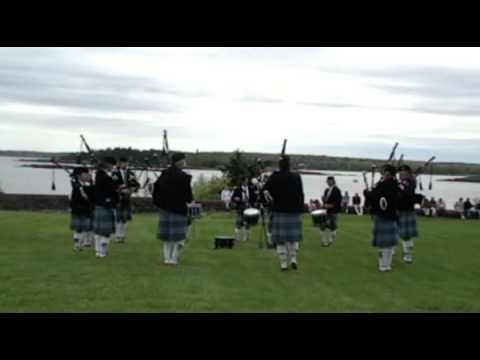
[(303, 163)]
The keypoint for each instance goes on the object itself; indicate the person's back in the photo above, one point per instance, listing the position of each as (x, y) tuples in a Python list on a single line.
[(173, 191), (467, 205), (287, 191)]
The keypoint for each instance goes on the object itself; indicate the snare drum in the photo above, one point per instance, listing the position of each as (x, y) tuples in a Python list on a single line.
[(251, 216), (319, 218)]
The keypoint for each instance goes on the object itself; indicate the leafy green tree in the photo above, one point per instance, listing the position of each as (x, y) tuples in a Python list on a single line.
[(211, 189)]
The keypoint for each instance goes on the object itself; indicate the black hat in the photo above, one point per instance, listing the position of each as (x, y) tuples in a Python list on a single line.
[(109, 160), (390, 168), (79, 170), (123, 159), (331, 178), (405, 168), (177, 157), (284, 162)]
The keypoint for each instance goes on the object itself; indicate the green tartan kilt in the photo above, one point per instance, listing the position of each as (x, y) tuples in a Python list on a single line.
[(385, 232), (172, 227), (407, 225), (80, 224), (123, 214), (331, 223), (103, 221), (286, 227)]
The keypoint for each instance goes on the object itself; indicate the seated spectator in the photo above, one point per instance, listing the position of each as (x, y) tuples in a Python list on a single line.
[(426, 206), (441, 207), (467, 206), (433, 207), (458, 207)]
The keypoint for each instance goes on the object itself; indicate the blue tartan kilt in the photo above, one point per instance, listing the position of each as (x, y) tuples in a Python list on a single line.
[(103, 221), (123, 214), (331, 222), (385, 232), (407, 225), (80, 224), (172, 227), (286, 227)]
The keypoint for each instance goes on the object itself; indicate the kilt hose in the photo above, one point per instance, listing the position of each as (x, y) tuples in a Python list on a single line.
[(407, 225), (286, 228), (171, 226), (81, 223), (385, 232), (103, 221)]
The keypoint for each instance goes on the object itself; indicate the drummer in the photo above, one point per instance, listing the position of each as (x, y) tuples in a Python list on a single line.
[(240, 199), (332, 200)]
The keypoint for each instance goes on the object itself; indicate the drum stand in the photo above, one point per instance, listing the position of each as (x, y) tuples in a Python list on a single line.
[(263, 238)]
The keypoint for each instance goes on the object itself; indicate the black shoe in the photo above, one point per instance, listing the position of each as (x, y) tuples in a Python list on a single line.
[(283, 269), (294, 266)]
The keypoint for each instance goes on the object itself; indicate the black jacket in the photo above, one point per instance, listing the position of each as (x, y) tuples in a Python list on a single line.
[(384, 199), (240, 204), (406, 199), (335, 199), (172, 191), (286, 189), (79, 205), (105, 190)]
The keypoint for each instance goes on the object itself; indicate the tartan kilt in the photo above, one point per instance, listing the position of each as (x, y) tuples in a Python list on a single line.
[(385, 232), (286, 227), (80, 224), (123, 214), (407, 225), (171, 226), (330, 223), (103, 221)]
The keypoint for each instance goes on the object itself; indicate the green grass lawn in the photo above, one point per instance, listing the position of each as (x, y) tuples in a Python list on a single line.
[(39, 272)]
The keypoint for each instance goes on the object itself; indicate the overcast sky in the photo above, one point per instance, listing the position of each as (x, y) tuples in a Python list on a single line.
[(333, 101)]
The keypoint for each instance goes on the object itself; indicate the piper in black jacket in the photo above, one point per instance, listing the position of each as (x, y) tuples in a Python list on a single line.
[(407, 220), (332, 201), (106, 199), (286, 190), (172, 192), (127, 184), (384, 199), (81, 206)]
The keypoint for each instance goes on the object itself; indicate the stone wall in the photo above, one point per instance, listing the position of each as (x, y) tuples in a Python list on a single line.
[(61, 203), (141, 205)]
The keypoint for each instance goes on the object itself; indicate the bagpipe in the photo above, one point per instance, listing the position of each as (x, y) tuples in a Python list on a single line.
[(164, 154), (421, 169)]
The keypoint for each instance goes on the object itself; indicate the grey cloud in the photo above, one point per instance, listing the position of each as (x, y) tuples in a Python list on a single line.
[(453, 144), (440, 90), (262, 99), (332, 105), (75, 125), (55, 79)]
